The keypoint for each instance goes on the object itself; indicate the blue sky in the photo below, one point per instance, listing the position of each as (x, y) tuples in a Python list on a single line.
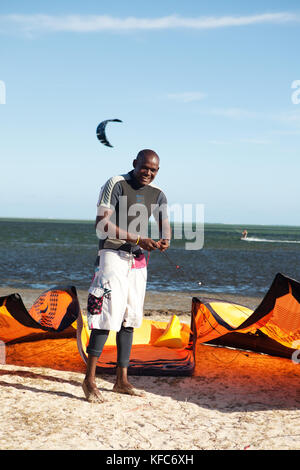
[(207, 85)]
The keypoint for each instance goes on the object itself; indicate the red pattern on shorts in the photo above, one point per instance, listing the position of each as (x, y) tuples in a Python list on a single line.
[(95, 304)]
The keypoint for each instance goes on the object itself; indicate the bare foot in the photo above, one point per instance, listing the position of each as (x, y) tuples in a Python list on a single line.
[(92, 393), (128, 390)]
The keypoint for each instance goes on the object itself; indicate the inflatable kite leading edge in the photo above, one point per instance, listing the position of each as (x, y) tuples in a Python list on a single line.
[(165, 348), (273, 328), (53, 312)]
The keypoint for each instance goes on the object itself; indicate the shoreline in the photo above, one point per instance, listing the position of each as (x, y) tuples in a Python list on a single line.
[(162, 300), (158, 305)]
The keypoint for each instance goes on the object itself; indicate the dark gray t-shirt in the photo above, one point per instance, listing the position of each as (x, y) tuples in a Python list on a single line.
[(132, 204)]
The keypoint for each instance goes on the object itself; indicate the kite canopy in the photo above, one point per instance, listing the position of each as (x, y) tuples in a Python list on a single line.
[(53, 312), (161, 348), (100, 132), (272, 328)]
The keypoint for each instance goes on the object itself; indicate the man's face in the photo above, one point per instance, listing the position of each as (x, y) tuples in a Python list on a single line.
[(145, 169)]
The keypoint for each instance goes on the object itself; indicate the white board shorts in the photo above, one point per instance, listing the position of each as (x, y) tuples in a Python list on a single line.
[(117, 292)]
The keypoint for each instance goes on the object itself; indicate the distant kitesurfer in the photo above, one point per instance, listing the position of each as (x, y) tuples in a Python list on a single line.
[(244, 234), (116, 295)]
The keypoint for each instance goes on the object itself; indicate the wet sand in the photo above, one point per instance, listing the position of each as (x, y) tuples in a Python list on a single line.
[(159, 304)]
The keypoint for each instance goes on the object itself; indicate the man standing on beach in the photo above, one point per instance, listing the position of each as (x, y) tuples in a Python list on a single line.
[(116, 295)]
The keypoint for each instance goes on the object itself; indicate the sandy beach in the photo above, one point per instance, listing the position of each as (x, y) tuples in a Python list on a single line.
[(235, 400)]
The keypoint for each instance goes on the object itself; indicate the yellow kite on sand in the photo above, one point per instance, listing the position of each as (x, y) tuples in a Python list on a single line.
[(164, 348)]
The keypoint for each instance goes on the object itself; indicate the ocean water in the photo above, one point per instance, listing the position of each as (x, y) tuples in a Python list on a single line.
[(42, 254)]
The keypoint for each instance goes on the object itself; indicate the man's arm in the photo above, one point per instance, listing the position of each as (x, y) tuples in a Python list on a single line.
[(160, 214), (104, 225), (166, 234)]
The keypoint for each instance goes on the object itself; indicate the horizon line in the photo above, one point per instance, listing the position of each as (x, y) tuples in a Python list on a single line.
[(50, 219)]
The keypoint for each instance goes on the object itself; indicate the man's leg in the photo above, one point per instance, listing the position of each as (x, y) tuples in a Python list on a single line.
[(94, 349), (134, 316), (124, 344)]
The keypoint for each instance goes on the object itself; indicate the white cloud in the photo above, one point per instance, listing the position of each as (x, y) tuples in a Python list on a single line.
[(290, 117), (236, 113), (250, 140), (98, 23), (255, 141), (286, 132), (287, 117), (187, 96), (219, 142)]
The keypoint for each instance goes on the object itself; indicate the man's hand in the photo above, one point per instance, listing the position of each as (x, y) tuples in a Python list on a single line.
[(148, 244), (163, 244)]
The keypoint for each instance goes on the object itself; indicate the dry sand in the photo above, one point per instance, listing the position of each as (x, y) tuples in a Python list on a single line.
[(235, 400)]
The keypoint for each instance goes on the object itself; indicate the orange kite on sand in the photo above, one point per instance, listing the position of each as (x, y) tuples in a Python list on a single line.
[(164, 348)]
